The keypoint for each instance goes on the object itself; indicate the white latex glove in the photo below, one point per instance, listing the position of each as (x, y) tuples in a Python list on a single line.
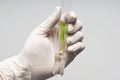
[(36, 60)]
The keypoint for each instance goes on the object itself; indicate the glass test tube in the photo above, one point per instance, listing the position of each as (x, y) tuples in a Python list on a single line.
[(61, 54)]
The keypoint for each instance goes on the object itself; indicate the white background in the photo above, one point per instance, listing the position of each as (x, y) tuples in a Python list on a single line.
[(101, 19)]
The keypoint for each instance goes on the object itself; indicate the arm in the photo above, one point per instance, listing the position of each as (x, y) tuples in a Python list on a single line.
[(36, 60)]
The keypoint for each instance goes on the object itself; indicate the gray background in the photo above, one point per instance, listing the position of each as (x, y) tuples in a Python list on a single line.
[(101, 19)]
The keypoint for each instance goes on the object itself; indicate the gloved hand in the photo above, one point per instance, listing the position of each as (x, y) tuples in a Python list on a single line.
[(36, 60)]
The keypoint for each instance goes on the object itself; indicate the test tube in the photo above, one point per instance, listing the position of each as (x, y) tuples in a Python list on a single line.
[(61, 54)]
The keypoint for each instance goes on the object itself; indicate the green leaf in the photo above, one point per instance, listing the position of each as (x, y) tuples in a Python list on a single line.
[(63, 32)]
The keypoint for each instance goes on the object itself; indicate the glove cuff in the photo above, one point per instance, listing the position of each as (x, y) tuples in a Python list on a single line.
[(12, 69)]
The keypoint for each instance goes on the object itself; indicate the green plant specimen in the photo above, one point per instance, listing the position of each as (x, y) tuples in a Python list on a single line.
[(63, 35)]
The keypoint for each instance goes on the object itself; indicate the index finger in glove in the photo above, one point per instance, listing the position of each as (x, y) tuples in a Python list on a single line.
[(69, 17), (74, 24)]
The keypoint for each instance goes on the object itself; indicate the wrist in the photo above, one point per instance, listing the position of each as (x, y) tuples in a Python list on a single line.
[(13, 69)]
